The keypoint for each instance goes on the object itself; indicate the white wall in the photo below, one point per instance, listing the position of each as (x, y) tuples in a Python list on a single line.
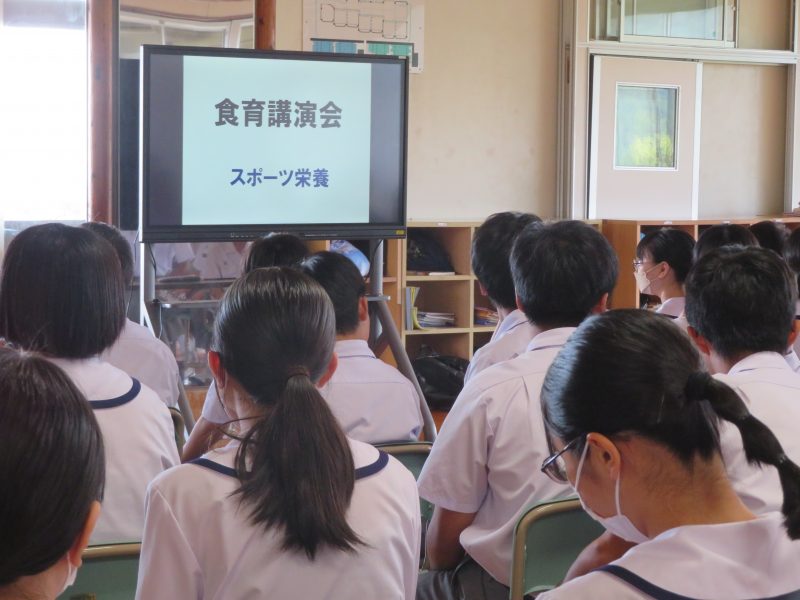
[(482, 116), (743, 140)]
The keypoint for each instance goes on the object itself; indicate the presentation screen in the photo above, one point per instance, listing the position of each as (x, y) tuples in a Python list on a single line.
[(238, 143)]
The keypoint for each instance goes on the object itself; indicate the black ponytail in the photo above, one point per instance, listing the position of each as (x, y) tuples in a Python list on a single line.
[(275, 333), (760, 444)]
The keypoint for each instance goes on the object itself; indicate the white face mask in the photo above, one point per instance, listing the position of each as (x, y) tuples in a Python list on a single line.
[(618, 525), (642, 282), (72, 573)]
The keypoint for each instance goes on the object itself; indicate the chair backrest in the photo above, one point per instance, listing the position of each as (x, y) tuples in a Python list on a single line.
[(413, 456), (108, 573), (547, 540)]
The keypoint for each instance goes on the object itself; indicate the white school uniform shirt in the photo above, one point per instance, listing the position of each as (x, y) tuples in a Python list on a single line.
[(166, 256), (509, 340), (487, 457), (219, 260), (771, 391), (372, 401), (143, 356), (139, 441), (672, 307), (730, 561), (199, 542)]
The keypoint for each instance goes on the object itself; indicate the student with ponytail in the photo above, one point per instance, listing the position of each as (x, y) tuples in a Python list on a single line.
[(632, 422), (52, 470), (293, 508)]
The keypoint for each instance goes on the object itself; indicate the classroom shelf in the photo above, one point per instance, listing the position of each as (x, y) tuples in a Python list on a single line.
[(423, 278), (438, 331)]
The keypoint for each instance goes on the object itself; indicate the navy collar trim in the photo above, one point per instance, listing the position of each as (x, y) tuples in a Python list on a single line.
[(119, 400), (361, 472), (660, 593)]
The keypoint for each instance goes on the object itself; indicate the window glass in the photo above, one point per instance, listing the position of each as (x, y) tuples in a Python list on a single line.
[(646, 124)]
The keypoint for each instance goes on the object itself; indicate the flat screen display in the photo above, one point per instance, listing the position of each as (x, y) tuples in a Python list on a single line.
[(238, 143)]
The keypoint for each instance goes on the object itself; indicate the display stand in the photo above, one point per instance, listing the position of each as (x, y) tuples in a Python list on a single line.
[(388, 332)]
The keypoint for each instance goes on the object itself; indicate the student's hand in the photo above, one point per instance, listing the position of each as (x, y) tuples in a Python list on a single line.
[(605, 549), (443, 549)]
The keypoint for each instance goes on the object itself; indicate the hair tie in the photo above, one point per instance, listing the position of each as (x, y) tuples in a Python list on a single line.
[(298, 371), (696, 388)]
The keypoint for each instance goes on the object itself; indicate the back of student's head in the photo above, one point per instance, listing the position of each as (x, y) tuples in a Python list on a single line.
[(491, 249), (632, 372), (770, 235), (344, 284), (561, 271), (672, 246), (726, 234), (275, 334), (52, 466), (791, 252), (742, 300), (61, 292), (121, 246), (276, 250)]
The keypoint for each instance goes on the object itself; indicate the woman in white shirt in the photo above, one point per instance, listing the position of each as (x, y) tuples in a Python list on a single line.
[(632, 419), (663, 259), (292, 508), (52, 472), (62, 294)]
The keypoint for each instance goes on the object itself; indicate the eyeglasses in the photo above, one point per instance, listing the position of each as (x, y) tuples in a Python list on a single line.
[(638, 263), (554, 465)]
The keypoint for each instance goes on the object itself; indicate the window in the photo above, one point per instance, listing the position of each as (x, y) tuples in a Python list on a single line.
[(646, 127)]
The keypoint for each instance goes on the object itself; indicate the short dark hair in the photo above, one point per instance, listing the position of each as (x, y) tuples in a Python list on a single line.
[(561, 271), (343, 282), (771, 235), (121, 246), (276, 250), (52, 465), (742, 300), (726, 234), (791, 253), (491, 249), (672, 246), (61, 292), (632, 372)]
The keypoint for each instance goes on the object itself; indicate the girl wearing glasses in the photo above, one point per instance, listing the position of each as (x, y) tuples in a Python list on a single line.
[(663, 259), (634, 423)]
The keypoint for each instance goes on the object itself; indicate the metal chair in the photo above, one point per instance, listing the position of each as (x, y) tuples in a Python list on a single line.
[(547, 540), (109, 572), (413, 456)]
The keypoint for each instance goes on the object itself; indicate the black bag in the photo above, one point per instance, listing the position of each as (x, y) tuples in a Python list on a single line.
[(425, 253), (440, 377)]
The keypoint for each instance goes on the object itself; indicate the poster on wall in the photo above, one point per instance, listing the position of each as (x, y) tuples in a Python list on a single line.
[(380, 27)]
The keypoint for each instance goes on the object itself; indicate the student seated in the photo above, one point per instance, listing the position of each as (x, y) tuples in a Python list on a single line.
[(491, 248), (291, 508), (137, 351), (479, 474), (632, 421), (726, 234), (62, 294), (740, 306), (273, 250), (771, 235), (663, 259), (52, 469), (372, 401), (792, 256)]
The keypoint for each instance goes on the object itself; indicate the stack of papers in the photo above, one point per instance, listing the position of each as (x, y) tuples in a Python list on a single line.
[(486, 317), (425, 319)]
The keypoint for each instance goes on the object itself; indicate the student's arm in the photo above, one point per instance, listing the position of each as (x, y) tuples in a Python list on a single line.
[(168, 568), (443, 549), (204, 435), (605, 549)]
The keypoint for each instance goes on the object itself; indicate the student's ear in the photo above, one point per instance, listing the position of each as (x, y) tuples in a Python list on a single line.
[(792, 336), (702, 343), (326, 377), (518, 302), (82, 541), (604, 455), (483, 291), (363, 309), (217, 370), (601, 306)]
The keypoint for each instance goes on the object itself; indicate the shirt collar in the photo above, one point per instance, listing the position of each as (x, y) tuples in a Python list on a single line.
[(552, 338), (672, 306), (350, 348), (513, 319), (760, 360)]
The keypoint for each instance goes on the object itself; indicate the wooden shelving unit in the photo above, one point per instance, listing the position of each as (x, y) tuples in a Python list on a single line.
[(625, 235)]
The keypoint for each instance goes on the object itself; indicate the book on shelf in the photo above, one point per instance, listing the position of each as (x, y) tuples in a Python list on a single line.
[(430, 273), (423, 319), (486, 317)]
